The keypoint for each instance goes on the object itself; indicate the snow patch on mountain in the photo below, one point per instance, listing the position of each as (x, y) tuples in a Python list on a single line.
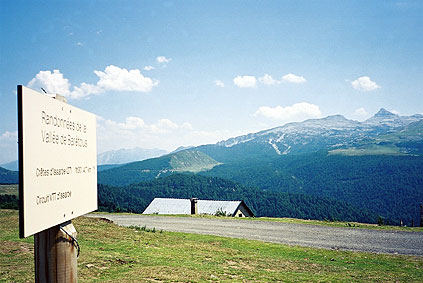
[(330, 132), (275, 147), (286, 151), (234, 141)]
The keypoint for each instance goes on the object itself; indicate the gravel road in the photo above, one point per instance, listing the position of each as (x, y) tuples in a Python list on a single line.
[(354, 239)]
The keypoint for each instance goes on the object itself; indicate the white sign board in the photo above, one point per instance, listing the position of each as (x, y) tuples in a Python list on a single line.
[(57, 162)]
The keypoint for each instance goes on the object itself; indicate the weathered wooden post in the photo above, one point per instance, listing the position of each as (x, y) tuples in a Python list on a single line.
[(55, 254), (57, 180)]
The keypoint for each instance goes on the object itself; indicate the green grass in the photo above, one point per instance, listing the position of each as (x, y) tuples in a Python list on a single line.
[(192, 161), (117, 254), (9, 190)]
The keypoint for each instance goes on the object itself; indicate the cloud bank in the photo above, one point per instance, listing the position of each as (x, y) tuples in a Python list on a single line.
[(266, 79), (164, 134), (113, 78), (296, 112)]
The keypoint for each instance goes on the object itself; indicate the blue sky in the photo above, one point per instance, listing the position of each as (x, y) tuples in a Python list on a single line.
[(163, 74)]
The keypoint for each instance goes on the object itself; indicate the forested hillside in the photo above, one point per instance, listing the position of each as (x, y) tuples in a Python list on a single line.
[(392, 186), (136, 197), (373, 165), (8, 177)]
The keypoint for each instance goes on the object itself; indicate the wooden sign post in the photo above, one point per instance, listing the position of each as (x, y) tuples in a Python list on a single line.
[(57, 179), (55, 254)]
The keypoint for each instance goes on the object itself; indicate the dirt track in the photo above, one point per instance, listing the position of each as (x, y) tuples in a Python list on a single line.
[(392, 242)]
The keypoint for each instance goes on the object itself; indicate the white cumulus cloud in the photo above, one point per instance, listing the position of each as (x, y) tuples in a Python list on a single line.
[(113, 78), (132, 123), (164, 134), (219, 83), (84, 90), (163, 60), (364, 84), (245, 81), (268, 80), (296, 112), (120, 79), (53, 82), (291, 78), (148, 68)]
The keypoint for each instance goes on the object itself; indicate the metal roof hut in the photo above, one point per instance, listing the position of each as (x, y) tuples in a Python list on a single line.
[(198, 206)]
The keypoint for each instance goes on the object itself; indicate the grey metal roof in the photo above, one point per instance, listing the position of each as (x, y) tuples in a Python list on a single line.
[(183, 206), (168, 206), (212, 206)]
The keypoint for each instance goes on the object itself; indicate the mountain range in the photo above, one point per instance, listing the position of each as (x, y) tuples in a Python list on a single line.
[(112, 158), (8, 176), (124, 155), (330, 133), (375, 165), (12, 166)]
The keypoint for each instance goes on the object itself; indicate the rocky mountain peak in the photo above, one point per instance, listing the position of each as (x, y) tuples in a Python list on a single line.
[(383, 113)]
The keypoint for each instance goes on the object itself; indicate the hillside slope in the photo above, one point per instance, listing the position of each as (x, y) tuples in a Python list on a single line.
[(136, 197), (124, 155), (375, 165), (135, 172), (8, 177), (392, 186)]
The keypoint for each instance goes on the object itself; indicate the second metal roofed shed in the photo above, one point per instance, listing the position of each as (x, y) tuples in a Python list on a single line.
[(211, 207)]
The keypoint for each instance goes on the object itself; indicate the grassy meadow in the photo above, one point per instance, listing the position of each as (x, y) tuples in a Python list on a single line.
[(110, 253), (9, 190)]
